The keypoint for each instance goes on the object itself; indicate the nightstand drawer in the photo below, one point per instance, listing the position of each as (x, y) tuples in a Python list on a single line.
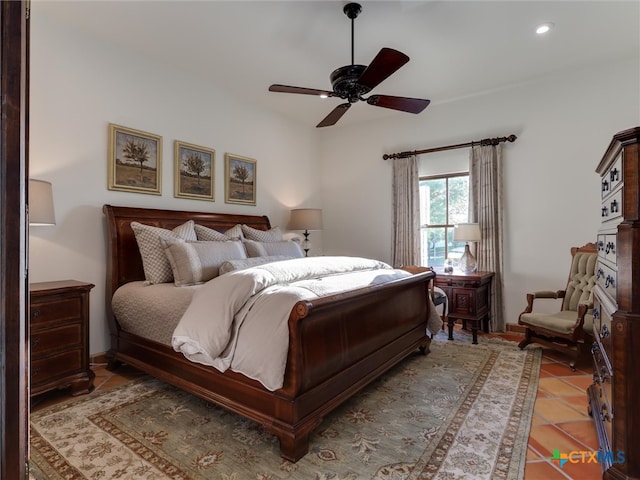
[(53, 339), (56, 366), (56, 310)]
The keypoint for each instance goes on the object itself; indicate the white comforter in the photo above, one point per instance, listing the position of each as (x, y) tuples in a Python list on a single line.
[(240, 320)]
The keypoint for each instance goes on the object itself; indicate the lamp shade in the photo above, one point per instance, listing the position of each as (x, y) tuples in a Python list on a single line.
[(466, 232), (305, 219), (41, 203)]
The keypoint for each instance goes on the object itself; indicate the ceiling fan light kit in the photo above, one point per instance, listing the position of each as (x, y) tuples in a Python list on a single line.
[(352, 82)]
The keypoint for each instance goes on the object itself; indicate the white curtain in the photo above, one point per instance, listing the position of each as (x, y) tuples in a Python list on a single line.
[(406, 212), (486, 206)]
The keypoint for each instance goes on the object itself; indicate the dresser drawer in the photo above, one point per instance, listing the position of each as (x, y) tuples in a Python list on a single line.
[(56, 366), (612, 178), (607, 247), (55, 310), (606, 277), (57, 338), (611, 210)]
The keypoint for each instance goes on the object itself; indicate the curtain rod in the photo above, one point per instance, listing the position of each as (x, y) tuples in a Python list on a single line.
[(484, 141)]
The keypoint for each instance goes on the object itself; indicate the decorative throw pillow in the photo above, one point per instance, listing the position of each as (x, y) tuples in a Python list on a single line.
[(241, 264), (265, 249), (273, 235), (210, 235), (154, 261), (198, 262)]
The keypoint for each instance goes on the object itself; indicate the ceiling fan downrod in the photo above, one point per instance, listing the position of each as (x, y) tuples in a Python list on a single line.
[(352, 10)]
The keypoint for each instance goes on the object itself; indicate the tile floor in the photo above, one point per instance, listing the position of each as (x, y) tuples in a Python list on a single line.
[(560, 419)]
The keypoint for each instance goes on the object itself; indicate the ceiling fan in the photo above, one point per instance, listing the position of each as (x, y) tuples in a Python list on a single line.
[(352, 82)]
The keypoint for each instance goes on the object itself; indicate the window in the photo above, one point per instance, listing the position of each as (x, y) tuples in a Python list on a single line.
[(444, 202)]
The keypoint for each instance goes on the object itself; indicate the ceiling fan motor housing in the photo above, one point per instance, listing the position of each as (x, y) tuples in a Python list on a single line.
[(344, 81)]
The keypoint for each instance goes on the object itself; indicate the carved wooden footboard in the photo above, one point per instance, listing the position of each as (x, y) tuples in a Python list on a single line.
[(337, 344)]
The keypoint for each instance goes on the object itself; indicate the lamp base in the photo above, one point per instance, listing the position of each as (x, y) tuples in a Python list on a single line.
[(467, 262), (306, 243)]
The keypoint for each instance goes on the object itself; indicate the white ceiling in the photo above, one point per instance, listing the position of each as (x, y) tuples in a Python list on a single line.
[(457, 48)]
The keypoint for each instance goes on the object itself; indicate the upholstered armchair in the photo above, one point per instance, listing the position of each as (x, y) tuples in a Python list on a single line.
[(570, 329)]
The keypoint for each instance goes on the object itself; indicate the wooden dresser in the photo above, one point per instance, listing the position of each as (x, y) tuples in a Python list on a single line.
[(615, 391), (59, 337)]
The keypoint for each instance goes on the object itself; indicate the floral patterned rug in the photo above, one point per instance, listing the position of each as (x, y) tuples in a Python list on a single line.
[(462, 412)]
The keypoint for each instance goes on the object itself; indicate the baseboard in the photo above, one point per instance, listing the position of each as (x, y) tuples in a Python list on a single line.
[(98, 358), (512, 327)]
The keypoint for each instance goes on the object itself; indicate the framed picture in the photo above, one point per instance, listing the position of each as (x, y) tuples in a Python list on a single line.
[(135, 160), (239, 179), (194, 171)]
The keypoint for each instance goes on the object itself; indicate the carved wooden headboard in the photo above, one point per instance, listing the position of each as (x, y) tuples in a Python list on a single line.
[(124, 263)]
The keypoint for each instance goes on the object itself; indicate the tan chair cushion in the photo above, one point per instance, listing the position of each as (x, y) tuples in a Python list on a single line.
[(560, 322)]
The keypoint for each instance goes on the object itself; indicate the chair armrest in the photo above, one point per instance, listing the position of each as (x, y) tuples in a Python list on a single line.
[(548, 294), (541, 294)]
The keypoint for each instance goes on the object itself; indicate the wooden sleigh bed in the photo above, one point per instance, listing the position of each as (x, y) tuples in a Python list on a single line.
[(337, 344)]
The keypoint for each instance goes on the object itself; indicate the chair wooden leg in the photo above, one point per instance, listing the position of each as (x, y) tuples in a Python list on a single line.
[(527, 339)]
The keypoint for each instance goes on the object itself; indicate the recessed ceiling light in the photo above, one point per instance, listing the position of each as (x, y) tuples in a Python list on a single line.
[(544, 28)]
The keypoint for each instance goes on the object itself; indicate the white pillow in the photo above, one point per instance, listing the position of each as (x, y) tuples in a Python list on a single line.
[(154, 261), (211, 235), (241, 264), (265, 249), (273, 235), (198, 262)]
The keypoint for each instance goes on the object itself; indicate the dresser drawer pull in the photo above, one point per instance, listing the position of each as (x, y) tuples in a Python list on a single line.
[(605, 212), (604, 332), (35, 314), (611, 248), (599, 273), (614, 206), (609, 282), (615, 175), (605, 186), (596, 315), (600, 245)]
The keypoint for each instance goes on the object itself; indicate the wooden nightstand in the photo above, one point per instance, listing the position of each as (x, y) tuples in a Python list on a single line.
[(469, 298), (59, 337)]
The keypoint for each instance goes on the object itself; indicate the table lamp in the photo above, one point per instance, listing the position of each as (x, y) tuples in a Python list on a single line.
[(467, 232), (305, 219), (41, 210)]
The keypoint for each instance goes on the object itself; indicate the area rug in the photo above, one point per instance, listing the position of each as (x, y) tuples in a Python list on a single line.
[(461, 412)]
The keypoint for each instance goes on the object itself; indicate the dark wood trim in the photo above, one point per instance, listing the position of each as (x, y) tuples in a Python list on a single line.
[(484, 141), (14, 404)]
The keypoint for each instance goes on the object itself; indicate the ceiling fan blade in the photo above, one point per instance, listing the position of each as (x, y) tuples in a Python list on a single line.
[(404, 104), (386, 62), (335, 115), (301, 90)]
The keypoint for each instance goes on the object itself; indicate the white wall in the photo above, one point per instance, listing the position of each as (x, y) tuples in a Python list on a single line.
[(78, 86), (564, 125)]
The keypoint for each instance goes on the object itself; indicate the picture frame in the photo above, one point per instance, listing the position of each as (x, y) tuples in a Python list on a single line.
[(240, 179), (135, 160), (194, 171)]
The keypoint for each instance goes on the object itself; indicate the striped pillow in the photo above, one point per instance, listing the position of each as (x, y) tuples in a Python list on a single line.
[(198, 262), (265, 249)]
